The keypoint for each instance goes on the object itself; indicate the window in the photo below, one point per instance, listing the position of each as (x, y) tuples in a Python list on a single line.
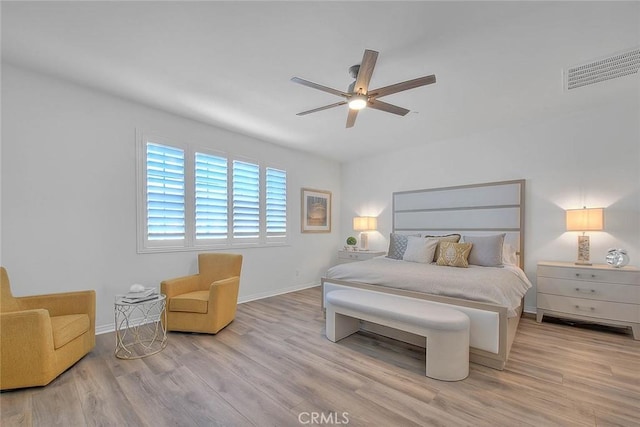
[(211, 197), (165, 192), (198, 198), (276, 200), (246, 200)]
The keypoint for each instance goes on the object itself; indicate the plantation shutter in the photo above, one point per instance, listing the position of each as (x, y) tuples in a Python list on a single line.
[(276, 202), (246, 200), (165, 192), (211, 207)]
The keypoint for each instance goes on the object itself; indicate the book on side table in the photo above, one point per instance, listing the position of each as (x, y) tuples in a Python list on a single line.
[(134, 297)]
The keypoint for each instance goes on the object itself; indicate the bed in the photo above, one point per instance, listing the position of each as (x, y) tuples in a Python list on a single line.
[(491, 293)]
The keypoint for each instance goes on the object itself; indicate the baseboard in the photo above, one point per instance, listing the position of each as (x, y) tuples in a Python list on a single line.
[(104, 329), (531, 310), (280, 291)]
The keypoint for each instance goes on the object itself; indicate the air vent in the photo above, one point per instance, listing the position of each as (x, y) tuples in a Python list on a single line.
[(610, 67)]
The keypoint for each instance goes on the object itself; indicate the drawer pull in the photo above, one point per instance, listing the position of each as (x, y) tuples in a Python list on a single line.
[(593, 291), (593, 276), (585, 308)]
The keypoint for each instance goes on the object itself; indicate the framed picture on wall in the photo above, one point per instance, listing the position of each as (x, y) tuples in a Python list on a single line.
[(315, 211)]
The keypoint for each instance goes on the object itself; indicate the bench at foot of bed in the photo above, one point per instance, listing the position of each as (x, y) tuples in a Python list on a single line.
[(446, 330)]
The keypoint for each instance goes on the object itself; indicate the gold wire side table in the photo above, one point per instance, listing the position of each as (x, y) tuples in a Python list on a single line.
[(141, 327)]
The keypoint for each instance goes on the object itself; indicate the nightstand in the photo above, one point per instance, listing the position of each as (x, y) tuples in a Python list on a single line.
[(352, 256), (593, 293)]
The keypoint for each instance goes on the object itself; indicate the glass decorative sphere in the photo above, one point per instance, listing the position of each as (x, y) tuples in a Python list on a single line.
[(617, 257)]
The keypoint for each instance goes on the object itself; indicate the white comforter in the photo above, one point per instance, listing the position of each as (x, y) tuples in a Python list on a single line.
[(503, 286)]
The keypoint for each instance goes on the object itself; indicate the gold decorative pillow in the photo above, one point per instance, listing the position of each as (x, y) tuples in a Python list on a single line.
[(454, 254)]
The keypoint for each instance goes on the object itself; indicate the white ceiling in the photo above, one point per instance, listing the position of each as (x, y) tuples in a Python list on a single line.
[(229, 63)]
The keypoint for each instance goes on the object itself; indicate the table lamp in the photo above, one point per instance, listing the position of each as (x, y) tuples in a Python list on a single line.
[(584, 220), (364, 224)]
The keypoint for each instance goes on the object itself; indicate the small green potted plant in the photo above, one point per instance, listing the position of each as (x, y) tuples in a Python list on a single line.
[(351, 243)]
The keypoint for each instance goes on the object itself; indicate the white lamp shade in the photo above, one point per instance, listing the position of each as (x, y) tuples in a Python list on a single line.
[(591, 219), (365, 223)]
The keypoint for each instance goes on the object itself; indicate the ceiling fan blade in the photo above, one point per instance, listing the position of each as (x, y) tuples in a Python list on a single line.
[(366, 70), (399, 87), (351, 118), (317, 86), (376, 104), (326, 107)]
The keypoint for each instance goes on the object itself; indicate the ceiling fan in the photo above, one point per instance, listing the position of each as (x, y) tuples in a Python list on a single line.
[(358, 95)]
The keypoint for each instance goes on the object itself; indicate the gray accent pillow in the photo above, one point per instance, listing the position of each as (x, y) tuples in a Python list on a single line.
[(486, 250), (397, 246)]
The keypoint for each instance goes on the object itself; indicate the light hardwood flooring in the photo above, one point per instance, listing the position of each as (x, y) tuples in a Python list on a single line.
[(273, 366)]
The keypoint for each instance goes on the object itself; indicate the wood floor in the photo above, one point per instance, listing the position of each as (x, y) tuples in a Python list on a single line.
[(273, 367)]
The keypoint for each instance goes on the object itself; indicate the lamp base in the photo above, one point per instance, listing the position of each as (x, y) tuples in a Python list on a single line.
[(364, 241), (583, 251)]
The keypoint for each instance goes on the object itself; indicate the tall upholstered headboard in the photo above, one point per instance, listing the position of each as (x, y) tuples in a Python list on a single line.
[(477, 209)]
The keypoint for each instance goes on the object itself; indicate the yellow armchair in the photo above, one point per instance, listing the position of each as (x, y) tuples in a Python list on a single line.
[(42, 336), (204, 302)]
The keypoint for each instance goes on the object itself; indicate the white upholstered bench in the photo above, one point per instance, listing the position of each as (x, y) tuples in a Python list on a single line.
[(446, 330)]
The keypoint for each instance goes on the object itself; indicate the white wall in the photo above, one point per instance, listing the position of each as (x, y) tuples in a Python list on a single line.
[(69, 196), (68, 189), (588, 158)]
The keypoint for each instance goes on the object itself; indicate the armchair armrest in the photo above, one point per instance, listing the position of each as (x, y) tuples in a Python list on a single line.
[(26, 342), (180, 285), (225, 290)]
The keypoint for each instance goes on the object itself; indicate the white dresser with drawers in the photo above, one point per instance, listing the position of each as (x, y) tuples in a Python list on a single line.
[(593, 293)]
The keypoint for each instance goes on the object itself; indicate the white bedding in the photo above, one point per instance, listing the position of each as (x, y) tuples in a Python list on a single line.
[(503, 286)]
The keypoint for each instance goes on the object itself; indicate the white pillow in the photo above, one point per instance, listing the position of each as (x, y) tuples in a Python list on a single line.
[(509, 255), (420, 249)]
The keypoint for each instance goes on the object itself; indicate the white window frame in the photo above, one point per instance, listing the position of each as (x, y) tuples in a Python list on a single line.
[(190, 243)]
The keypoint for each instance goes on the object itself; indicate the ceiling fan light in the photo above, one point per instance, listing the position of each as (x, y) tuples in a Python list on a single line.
[(357, 102)]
